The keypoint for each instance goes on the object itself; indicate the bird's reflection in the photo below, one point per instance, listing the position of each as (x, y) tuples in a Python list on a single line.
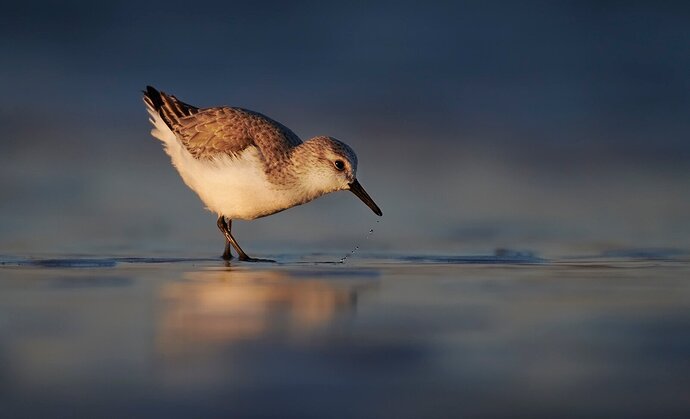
[(213, 309)]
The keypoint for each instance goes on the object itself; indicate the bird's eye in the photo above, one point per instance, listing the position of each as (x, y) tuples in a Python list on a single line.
[(339, 164)]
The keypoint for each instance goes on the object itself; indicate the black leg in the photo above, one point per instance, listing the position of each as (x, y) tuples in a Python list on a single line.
[(227, 254), (225, 226), (222, 226)]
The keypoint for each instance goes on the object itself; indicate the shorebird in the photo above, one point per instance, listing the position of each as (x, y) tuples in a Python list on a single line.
[(244, 165)]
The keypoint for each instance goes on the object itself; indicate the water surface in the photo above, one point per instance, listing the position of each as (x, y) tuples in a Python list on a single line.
[(504, 335)]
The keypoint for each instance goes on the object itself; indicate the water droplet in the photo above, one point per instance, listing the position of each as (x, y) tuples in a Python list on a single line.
[(344, 258)]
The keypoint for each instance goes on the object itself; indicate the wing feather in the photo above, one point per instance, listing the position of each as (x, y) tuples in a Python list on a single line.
[(209, 132)]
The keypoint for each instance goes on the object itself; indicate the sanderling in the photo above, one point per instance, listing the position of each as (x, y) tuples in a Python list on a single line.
[(244, 165)]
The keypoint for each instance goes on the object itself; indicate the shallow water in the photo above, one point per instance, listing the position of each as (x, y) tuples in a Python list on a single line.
[(504, 335)]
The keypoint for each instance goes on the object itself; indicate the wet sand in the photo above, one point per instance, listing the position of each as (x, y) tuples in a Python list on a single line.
[(506, 335)]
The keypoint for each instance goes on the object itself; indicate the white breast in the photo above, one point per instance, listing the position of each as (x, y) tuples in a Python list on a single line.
[(236, 187)]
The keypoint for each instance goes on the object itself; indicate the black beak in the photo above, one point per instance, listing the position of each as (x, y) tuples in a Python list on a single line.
[(357, 189)]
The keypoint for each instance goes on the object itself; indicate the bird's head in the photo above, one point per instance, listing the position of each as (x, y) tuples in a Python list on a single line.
[(332, 166)]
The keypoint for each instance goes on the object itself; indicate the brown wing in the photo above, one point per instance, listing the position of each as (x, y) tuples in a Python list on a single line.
[(168, 107), (211, 131), (231, 130)]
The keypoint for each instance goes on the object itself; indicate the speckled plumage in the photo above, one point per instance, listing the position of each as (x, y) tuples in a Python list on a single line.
[(245, 165)]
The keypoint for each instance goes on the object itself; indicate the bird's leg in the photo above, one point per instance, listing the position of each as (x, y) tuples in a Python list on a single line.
[(225, 225), (227, 254), (231, 240)]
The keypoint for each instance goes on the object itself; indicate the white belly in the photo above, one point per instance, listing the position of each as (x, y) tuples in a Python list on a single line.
[(236, 187)]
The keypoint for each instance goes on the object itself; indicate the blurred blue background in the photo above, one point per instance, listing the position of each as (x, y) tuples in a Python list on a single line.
[(560, 127)]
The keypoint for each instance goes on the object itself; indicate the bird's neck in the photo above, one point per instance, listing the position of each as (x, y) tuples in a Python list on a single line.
[(306, 171)]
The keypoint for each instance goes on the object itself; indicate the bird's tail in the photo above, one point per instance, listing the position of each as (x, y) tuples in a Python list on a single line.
[(168, 107)]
